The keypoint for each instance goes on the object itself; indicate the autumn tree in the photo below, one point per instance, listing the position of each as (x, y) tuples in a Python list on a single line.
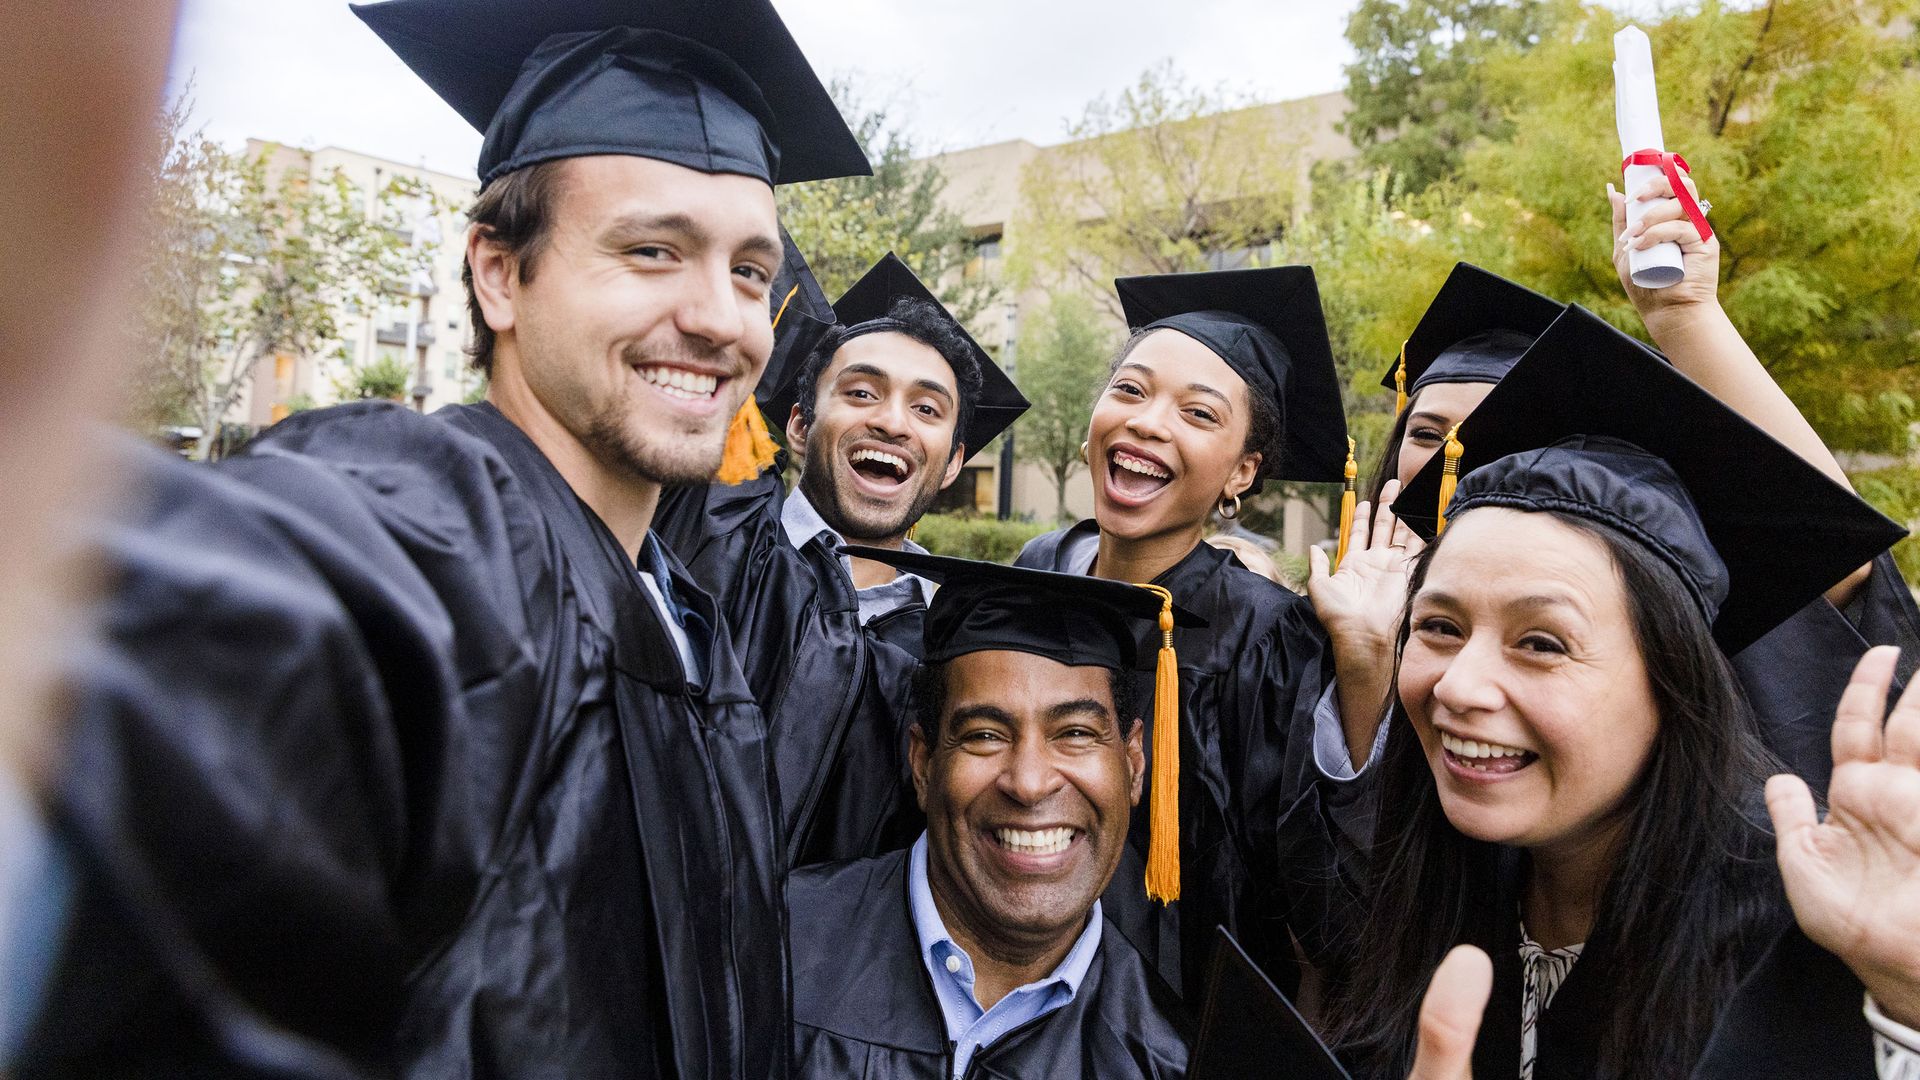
[(1164, 177), (845, 225), (1064, 350)]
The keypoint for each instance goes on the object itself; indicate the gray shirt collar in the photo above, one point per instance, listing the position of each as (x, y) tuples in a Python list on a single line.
[(803, 524)]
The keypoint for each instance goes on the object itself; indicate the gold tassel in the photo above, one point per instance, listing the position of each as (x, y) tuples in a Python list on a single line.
[(1346, 509), (1400, 383), (1449, 475), (1163, 813), (750, 446)]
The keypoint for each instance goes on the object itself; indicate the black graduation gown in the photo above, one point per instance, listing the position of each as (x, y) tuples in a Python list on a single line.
[(865, 1007), (836, 693), (1249, 682), (383, 719), (1795, 674), (1793, 1015)]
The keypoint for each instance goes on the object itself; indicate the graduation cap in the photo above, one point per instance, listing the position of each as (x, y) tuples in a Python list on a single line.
[(863, 309), (801, 317), (1267, 325), (1074, 619), (1249, 1028), (1593, 423), (714, 85), (1474, 331)]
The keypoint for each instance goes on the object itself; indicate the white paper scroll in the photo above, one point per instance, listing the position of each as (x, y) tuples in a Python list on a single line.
[(1636, 111)]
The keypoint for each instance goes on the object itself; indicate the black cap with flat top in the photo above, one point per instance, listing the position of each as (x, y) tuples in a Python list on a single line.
[(1474, 331), (1594, 424), (1249, 1028), (801, 318), (714, 85), (863, 309), (1267, 325)]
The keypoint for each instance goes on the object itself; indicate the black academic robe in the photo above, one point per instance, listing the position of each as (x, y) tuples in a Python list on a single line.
[(384, 721), (1794, 1013), (1249, 682), (864, 1004), (835, 693), (1794, 675)]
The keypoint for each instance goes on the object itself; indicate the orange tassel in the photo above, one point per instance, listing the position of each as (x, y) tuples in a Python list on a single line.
[(1449, 475), (1163, 816), (1346, 508), (1400, 383), (750, 446)]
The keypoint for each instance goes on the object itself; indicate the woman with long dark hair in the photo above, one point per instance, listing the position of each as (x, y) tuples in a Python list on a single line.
[(1227, 381), (1575, 783)]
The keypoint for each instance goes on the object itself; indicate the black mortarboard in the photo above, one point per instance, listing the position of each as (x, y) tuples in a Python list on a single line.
[(714, 85), (1593, 423), (1074, 619), (1267, 325), (801, 317), (1474, 331), (1248, 1027), (863, 309)]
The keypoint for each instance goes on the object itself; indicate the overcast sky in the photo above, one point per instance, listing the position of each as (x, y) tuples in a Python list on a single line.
[(309, 73)]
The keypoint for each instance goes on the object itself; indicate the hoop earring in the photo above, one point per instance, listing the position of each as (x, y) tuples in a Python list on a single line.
[(1234, 512), (1083, 452)]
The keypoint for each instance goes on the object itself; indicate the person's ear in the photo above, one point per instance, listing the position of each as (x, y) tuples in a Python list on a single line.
[(1137, 760), (954, 461), (919, 755), (796, 432), (496, 279), (1242, 477)]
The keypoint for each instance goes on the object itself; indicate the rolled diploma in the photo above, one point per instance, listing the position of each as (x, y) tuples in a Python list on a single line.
[(1636, 112)]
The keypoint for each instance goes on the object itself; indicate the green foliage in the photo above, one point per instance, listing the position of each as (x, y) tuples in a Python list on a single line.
[(845, 225), (965, 536), (1896, 491), (1416, 99), (301, 403), (249, 258), (388, 377), (1166, 177), (1064, 350), (476, 393)]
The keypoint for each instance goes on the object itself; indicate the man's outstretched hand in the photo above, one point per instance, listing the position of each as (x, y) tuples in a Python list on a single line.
[(1450, 1016)]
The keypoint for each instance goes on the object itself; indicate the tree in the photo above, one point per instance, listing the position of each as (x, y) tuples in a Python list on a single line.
[(246, 262), (1166, 177), (1415, 91), (386, 378), (1063, 355), (845, 225)]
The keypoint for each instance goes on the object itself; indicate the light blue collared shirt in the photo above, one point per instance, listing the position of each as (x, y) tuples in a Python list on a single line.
[(802, 523), (969, 1027)]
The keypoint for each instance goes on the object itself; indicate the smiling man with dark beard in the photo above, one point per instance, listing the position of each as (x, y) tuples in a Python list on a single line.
[(884, 397)]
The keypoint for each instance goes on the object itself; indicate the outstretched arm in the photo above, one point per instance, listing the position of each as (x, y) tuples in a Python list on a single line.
[(1688, 324)]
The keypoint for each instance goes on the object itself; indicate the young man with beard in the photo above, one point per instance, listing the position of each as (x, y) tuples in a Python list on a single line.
[(983, 951), (883, 406), (406, 738)]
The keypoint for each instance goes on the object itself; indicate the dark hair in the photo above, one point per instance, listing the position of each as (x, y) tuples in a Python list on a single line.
[(516, 211), (925, 323), (1692, 886), (930, 698), (1389, 464), (1266, 428)]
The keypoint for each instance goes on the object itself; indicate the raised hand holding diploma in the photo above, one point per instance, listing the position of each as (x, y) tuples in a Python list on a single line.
[(1854, 879), (1636, 111)]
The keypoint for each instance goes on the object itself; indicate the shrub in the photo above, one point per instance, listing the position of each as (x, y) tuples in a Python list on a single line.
[(971, 537)]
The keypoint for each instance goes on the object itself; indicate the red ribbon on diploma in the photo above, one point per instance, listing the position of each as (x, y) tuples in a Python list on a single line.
[(1673, 165)]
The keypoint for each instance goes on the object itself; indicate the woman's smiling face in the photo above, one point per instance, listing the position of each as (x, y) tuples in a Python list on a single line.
[(1430, 415), (1168, 438), (1524, 679)]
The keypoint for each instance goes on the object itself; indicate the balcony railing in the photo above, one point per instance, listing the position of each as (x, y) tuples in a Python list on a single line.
[(396, 334)]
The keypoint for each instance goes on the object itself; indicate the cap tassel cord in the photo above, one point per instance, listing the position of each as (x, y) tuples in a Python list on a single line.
[(1449, 475), (1400, 383), (750, 446), (1163, 840), (1346, 508)]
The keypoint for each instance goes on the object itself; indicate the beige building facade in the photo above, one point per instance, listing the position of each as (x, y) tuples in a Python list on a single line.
[(438, 311)]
